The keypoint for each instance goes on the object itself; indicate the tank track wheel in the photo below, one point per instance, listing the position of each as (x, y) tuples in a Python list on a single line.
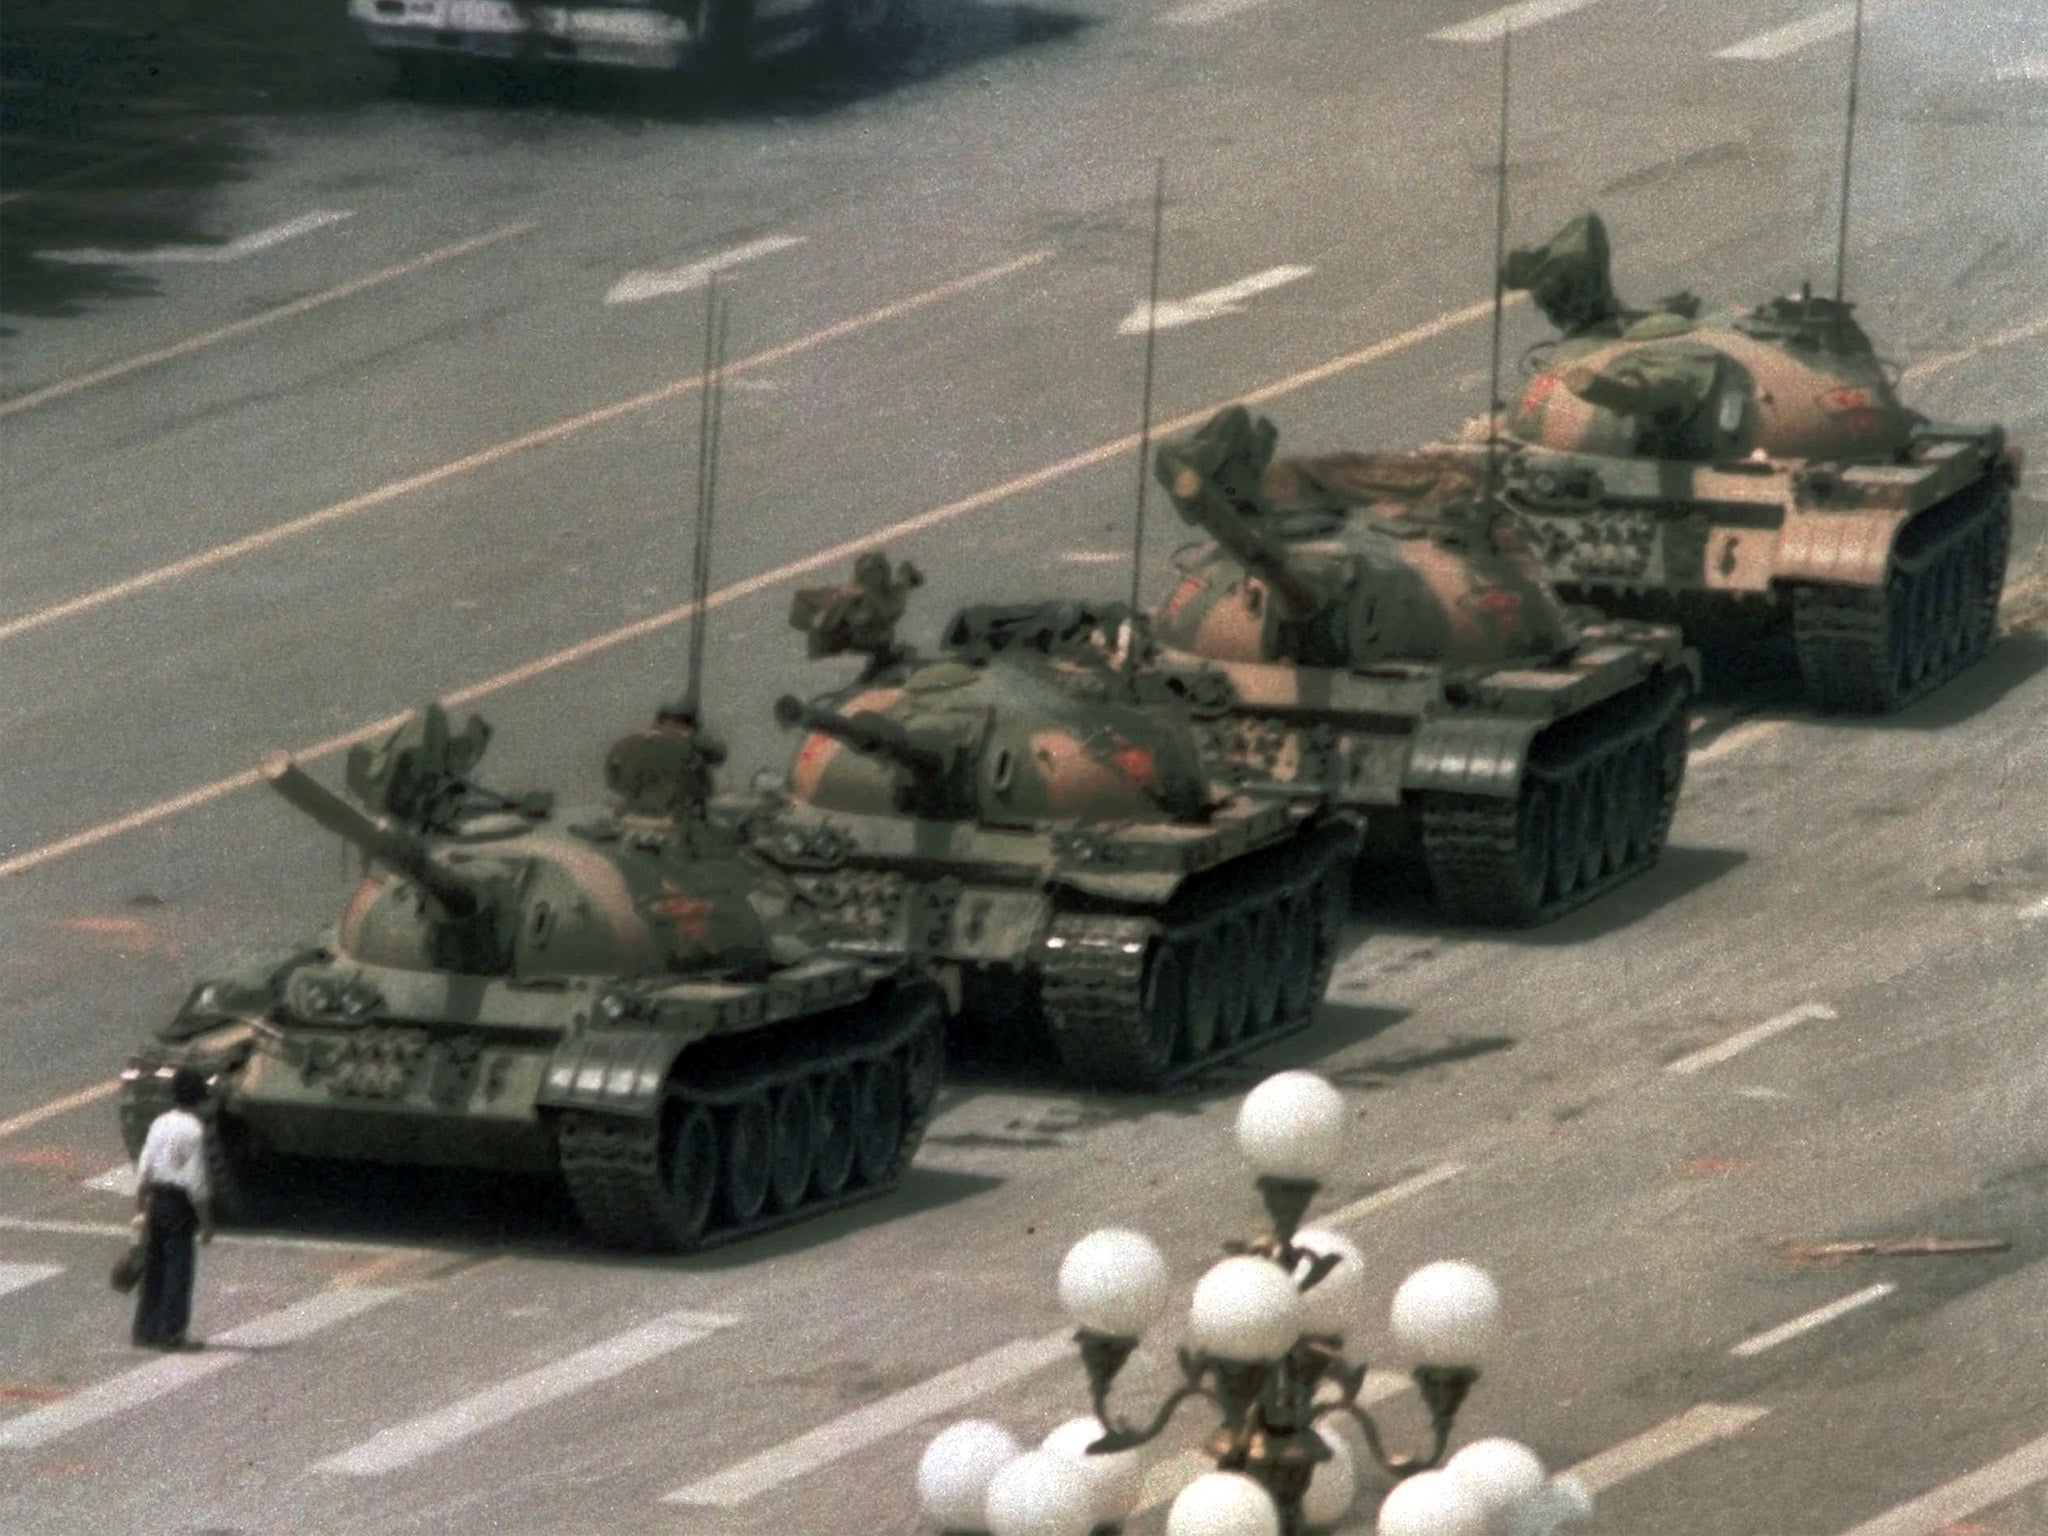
[(832, 1152), (244, 1184), (877, 1121), (793, 1145)]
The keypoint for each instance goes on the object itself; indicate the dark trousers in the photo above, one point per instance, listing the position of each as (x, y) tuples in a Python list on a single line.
[(163, 1302)]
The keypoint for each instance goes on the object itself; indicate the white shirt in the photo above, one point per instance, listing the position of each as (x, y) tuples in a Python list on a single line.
[(174, 1154)]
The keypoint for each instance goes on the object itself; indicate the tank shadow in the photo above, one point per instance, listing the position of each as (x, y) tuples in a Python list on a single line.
[(2011, 662)]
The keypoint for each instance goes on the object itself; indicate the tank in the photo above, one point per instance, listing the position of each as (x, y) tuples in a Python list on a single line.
[(1386, 640), (622, 998), (1754, 476), (1033, 820)]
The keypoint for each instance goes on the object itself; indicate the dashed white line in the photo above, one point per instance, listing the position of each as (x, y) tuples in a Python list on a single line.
[(749, 1479), (117, 1180), (1741, 1041), (635, 286), (1393, 1194), (1935, 1511), (1199, 13), (1509, 18), (1806, 1322), (1781, 42), (233, 250), (146, 1383), (1941, 362), (1696, 1427), (19, 1277), (404, 1444), (1211, 304)]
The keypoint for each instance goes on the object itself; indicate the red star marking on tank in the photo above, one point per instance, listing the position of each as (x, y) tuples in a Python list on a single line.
[(810, 757), (1136, 761), (690, 915), (1499, 604), (1538, 392), (1182, 595), (1848, 400)]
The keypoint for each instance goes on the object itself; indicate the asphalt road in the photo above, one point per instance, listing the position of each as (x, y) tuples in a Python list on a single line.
[(410, 429)]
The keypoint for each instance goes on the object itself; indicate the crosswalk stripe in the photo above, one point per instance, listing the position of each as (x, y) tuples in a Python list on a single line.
[(1393, 1194), (1697, 1426), (1934, 1511), (1819, 1317), (16, 1277), (1509, 18), (146, 1383), (1781, 41), (404, 1444), (749, 1479)]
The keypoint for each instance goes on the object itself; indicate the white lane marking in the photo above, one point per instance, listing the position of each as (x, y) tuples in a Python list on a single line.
[(233, 250), (1199, 13), (1696, 1427), (404, 1444), (17, 1277), (483, 458), (1096, 556), (2032, 69), (1931, 1512), (50, 1111), (1780, 42), (751, 1478), (1819, 1317), (1927, 367), (635, 286), (1209, 305), (1742, 1040), (222, 333), (44, 1228), (2036, 913), (1509, 18), (1344, 1215), (1734, 740), (146, 1383), (595, 645), (117, 1180)]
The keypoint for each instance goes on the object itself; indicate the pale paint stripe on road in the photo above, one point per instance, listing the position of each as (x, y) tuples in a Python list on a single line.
[(483, 458), (146, 1383), (635, 286), (1692, 1429), (1735, 739), (117, 1180), (749, 1479), (1393, 1194), (1102, 453), (1199, 13), (50, 1228), (1941, 362), (1932, 1512), (1781, 42), (1756, 1034), (233, 250), (1509, 18), (222, 333), (1210, 304), (19, 1277), (2036, 913), (404, 1444), (30, 1118), (2033, 70), (1819, 1317)]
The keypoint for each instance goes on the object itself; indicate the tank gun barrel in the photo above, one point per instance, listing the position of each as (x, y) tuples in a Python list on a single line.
[(1202, 502), (866, 732), (388, 845)]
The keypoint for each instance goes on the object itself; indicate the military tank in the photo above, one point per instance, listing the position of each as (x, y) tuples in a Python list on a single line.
[(1754, 476), (620, 998), (1385, 641), (1032, 819)]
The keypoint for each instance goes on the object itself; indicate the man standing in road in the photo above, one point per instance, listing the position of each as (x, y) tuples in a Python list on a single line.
[(172, 1194)]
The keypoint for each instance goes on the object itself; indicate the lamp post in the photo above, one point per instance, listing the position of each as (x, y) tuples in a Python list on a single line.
[(1265, 1347)]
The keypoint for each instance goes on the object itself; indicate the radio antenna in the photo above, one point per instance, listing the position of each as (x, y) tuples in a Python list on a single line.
[(710, 413), (1145, 413), (1848, 150), (1494, 404)]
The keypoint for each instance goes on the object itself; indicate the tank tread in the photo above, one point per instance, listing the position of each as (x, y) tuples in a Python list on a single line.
[(1575, 830), (1100, 976), (612, 1164), (1865, 650)]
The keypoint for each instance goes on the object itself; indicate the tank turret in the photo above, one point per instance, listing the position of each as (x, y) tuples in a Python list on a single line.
[(1388, 643)]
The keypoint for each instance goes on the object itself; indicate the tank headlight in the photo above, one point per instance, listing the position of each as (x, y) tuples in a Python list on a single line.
[(612, 1008)]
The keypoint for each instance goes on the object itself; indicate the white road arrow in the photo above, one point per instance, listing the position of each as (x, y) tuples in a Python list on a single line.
[(1217, 301), (234, 250), (635, 286)]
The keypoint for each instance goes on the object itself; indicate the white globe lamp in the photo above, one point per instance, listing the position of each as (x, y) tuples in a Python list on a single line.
[(957, 1467), (1504, 1476), (1114, 1282), (1245, 1309), (1335, 1303), (1431, 1504), (1447, 1314), (1223, 1504), (1039, 1494), (1116, 1479), (1292, 1127), (1333, 1486)]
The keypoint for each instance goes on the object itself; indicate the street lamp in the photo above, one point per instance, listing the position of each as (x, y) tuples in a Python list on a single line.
[(1265, 1346)]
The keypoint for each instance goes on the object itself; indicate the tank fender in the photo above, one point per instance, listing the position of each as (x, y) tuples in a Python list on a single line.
[(1851, 549), (617, 1071), (1470, 756)]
